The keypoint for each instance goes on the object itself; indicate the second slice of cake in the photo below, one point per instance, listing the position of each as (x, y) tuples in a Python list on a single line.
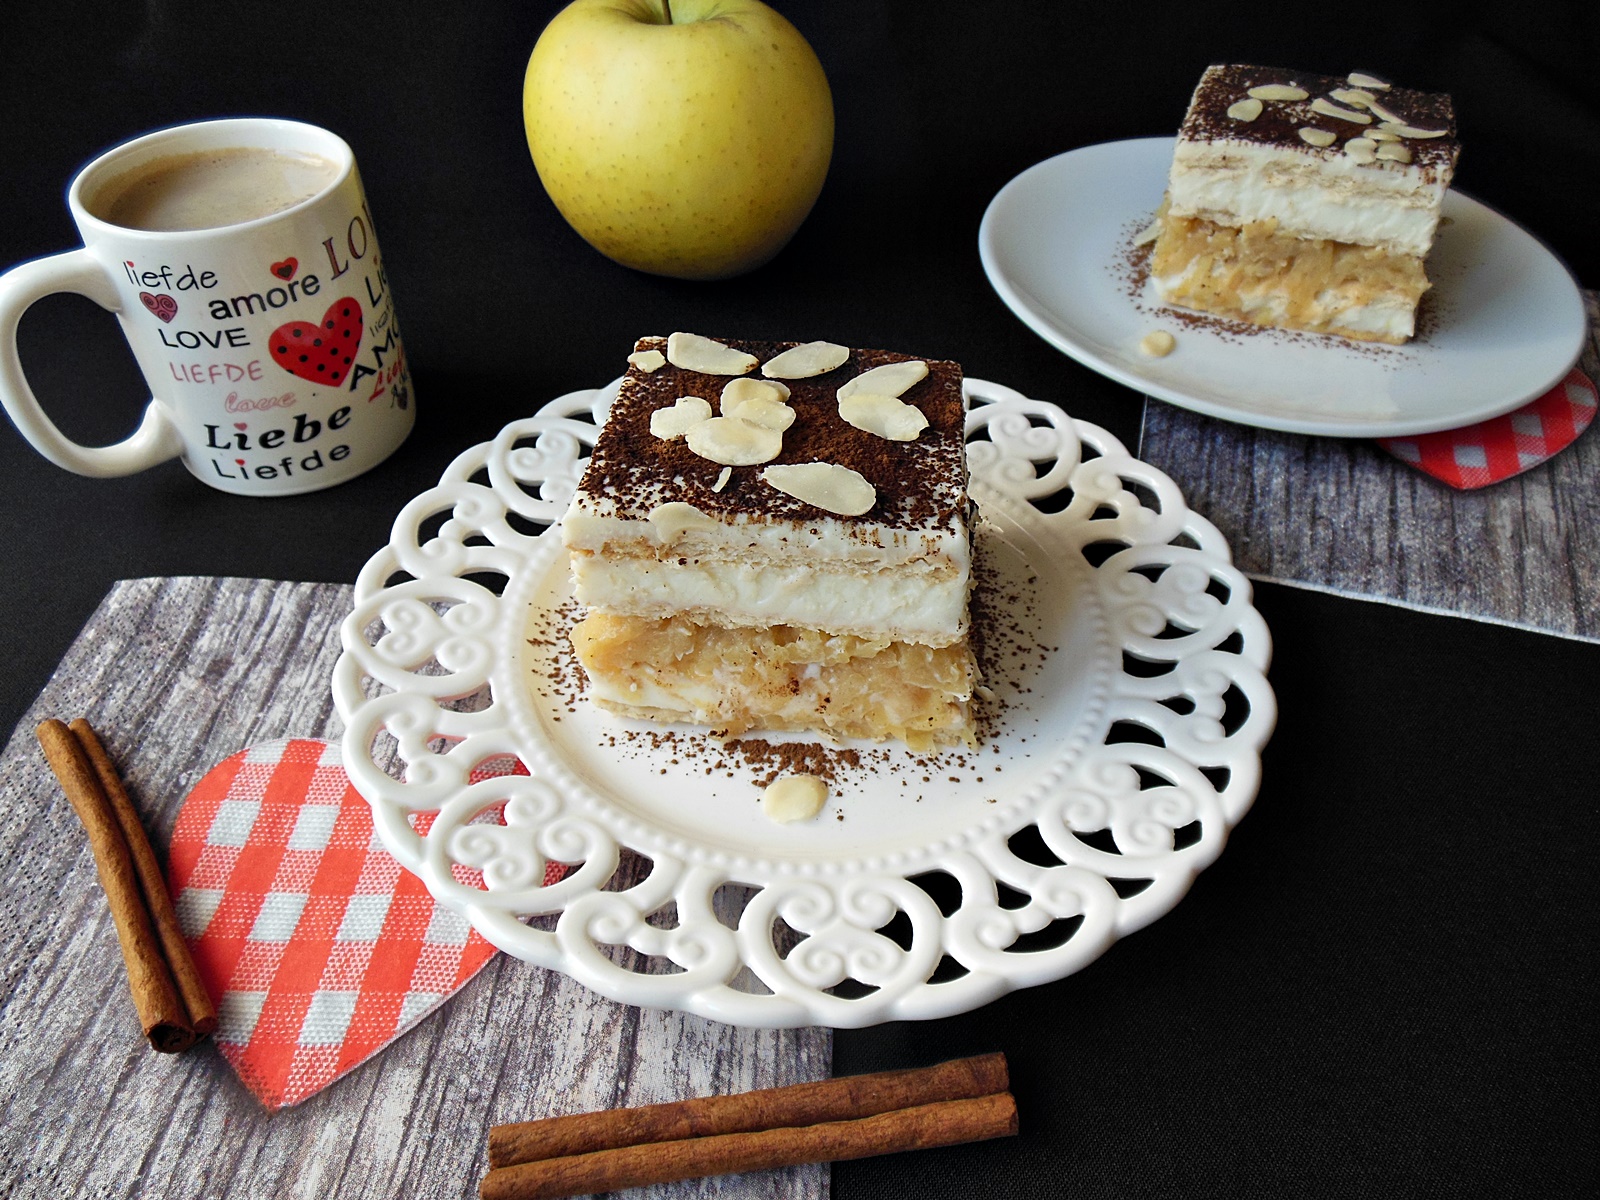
[(1305, 201), (773, 536)]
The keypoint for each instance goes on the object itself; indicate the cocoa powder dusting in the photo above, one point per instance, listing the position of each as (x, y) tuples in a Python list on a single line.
[(920, 484)]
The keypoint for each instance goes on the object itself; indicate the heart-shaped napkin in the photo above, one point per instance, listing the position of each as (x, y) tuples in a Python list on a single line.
[(317, 946), (1477, 455)]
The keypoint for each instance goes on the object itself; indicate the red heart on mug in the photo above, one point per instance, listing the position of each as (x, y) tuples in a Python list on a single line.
[(286, 268), (162, 305), (320, 353)]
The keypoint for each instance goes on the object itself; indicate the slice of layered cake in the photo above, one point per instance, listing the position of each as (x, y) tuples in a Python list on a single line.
[(1305, 201), (773, 536)]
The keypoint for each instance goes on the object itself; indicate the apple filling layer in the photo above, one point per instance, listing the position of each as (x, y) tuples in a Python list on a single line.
[(1257, 274), (782, 678)]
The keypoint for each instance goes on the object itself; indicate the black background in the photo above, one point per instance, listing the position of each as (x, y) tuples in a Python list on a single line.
[(1387, 983)]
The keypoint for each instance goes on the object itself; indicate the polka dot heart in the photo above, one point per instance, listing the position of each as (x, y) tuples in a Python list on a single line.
[(1478, 455), (318, 947), (320, 353)]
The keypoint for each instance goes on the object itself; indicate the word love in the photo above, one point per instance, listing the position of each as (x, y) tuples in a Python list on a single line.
[(304, 430), (237, 403)]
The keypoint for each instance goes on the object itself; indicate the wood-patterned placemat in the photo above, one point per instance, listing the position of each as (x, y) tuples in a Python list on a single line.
[(176, 674), (1341, 515)]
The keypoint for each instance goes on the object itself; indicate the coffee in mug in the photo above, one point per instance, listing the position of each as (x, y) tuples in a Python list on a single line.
[(210, 188), (241, 260)]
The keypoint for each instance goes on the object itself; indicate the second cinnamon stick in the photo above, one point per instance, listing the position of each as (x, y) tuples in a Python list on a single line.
[(848, 1097), (919, 1128)]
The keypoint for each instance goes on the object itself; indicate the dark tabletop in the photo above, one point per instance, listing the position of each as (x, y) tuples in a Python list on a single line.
[(1387, 984)]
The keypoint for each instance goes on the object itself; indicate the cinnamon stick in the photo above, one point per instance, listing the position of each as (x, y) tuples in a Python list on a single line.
[(847, 1098), (919, 1128), (155, 996), (152, 885)]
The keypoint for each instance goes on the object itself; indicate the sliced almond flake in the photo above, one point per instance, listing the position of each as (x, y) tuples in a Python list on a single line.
[(676, 420), (885, 416), (672, 520), (1361, 149), (1411, 131), (802, 362), (1329, 109), (1278, 91), (1245, 110), (1394, 152), (1317, 137), (769, 414), (722, 479), (736, 391), (794, 798), (891, 379), (1355, 96), (733, 442), (828, 486), (1361, 79), (1380, 134), (648, 360), (1158, 343), (1148, 234), (691, 352)]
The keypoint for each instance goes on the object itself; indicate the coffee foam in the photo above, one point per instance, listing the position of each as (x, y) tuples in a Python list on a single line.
[(211, 189)]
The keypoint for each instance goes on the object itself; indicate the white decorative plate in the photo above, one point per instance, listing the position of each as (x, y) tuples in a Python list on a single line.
[(1125, 744), (1507, 323)]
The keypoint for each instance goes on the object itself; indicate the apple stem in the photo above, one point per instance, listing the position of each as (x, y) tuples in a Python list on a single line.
[(666, 8)]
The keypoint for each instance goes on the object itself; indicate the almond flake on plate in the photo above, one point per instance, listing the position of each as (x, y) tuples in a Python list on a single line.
[(794, 798), (1158, 343)]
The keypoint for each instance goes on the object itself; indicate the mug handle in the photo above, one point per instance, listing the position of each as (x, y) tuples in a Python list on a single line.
[(157, 438)]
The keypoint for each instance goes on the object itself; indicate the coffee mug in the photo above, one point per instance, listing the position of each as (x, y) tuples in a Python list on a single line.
[(240, 258)]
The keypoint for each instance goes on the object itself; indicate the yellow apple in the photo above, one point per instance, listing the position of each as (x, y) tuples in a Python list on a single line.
[(681, 137)]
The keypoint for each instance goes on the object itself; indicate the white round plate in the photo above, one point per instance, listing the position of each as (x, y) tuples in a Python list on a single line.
[(1507, 320), (1125, 744)]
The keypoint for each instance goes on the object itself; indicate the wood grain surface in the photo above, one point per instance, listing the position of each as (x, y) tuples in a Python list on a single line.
[(1342, 515), (176, 674)]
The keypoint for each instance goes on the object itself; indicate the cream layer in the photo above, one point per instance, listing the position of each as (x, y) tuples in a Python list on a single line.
[(859, 578), (1316, 195), (925, 603)]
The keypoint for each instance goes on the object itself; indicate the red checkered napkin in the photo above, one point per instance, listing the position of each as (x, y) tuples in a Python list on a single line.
[(317, 946), (1496, 449)]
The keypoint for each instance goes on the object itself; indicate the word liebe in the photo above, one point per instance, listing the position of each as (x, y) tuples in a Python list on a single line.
[(304, 430)]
